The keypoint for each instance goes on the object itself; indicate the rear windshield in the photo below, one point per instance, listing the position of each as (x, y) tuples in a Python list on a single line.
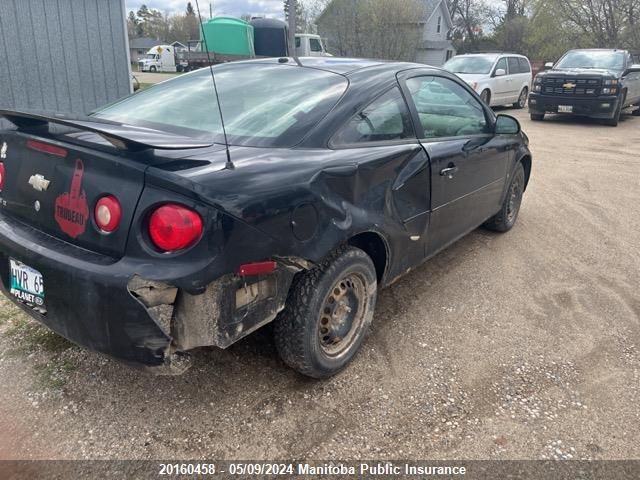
[(263, 105), (592, 59), (471, 65)]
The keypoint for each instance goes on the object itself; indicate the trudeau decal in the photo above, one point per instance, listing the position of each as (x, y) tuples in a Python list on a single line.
[(72, 210)]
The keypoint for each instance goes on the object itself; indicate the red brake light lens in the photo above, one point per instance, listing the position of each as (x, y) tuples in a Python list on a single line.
[(2, 175), (46, 148), (173, 227), (108, 213)]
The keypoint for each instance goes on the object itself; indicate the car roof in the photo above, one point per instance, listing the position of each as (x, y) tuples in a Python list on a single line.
[(339, 65), (598, 50), (491, 55)]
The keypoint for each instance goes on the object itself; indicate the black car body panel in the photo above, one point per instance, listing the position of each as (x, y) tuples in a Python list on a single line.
[(582, 89), (289, 205)]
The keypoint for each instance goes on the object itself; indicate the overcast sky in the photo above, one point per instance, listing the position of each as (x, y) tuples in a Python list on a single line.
[(267, 8)]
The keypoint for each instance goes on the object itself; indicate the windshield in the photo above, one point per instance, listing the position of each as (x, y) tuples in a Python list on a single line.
[(264, 105), (592, 59), (152, 56), (473, 65)]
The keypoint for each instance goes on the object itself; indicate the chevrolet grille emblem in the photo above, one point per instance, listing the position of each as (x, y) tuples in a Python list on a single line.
[(38, 182), (569, 85)]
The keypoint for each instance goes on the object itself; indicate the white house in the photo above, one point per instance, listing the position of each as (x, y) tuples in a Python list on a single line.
[(436, 48)]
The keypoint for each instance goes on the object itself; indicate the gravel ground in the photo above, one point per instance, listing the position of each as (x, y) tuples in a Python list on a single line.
[(515, 346)]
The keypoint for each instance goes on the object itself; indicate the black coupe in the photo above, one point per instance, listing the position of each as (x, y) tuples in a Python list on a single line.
[(140, 231)]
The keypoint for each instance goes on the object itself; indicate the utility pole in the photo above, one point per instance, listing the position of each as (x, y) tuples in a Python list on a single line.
[(290, 12)]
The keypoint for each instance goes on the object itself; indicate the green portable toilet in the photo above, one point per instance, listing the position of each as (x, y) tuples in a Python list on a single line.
[(228, 36)]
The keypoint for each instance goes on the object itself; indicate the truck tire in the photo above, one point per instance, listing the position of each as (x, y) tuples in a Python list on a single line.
[(613, 122), (522, 99), (486, 96), (506, 218), (152, 69), (327, 313), (537, 117)]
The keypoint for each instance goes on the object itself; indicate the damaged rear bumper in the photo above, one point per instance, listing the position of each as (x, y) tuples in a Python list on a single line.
[(104, 305)]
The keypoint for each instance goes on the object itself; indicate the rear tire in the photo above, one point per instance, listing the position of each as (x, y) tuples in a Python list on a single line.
[(522, 99), (486, 96), (537, 117), (506, 218), (327, 314)]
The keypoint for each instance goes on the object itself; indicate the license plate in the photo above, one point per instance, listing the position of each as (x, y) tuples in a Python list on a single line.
[(26, 285), (565, 108)]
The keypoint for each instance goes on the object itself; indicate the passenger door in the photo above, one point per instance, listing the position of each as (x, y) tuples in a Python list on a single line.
[(468, 162), (501, 84), (514, 81)]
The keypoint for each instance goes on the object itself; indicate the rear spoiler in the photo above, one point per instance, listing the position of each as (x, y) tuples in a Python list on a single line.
[(123, 137)]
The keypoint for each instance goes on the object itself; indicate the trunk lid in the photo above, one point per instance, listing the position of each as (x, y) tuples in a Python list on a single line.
[(56, 191), (57, 167)]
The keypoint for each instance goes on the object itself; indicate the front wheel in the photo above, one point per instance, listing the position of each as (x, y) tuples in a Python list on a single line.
[(506, 218), (613, 122), (522, 99), (327, 314), (152, 69)]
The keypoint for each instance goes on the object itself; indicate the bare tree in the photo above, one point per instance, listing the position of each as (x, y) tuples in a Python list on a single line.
[(388, 29)]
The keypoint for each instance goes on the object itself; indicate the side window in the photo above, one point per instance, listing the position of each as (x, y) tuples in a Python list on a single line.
[(502, 64), (514, 65), (297, 42), (315, 45), (439, 25), (524, 65), (385, 119), (445, 108)]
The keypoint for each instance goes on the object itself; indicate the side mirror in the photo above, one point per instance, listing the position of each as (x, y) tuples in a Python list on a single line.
[(635, 68), (548, 65), (500, 73), (507, 125)]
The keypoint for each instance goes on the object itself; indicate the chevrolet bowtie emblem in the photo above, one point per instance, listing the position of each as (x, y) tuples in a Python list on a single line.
[(569, 85), (38, 182), (3, 150)]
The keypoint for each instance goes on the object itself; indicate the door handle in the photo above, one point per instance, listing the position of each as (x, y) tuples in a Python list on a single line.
[(449, 171)]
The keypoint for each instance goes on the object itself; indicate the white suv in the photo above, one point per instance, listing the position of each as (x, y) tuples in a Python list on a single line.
[(499, 78)]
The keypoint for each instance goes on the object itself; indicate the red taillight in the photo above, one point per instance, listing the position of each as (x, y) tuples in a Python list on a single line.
[(46, 148), (258, 268), (174, 227), (2, 175), (108, 213)]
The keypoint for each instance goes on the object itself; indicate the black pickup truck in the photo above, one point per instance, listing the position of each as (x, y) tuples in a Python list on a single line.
[(595, 83)]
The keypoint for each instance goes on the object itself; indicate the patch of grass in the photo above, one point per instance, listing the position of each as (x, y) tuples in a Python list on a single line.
[(7, 311), (32, 336), (144, 85), (54, 374)]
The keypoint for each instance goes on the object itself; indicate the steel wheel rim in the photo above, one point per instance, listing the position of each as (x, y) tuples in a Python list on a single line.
[(515, 198), (342, 315)]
